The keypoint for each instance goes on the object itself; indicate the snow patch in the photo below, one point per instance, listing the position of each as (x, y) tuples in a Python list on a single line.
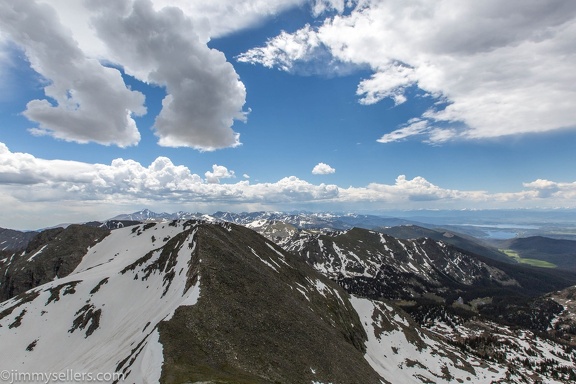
[(37, 253), (264, 261)]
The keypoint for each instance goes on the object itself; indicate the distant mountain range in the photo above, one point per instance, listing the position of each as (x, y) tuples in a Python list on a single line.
[(210, 301), (301, 220), (280, 226)]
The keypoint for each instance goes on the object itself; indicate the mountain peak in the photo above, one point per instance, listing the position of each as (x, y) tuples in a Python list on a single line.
[(192, 300), (205, 292)]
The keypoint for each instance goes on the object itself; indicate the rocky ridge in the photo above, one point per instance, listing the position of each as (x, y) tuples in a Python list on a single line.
[(210, 301)]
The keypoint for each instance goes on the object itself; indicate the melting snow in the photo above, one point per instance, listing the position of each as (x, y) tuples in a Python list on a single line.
[(129, 305), (398, 360), (37, 253), (264, 261)]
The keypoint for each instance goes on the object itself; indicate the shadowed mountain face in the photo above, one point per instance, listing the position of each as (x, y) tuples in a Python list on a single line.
[(49, 254), (12, 240), (263, 316), (191, 301), (376, 265)]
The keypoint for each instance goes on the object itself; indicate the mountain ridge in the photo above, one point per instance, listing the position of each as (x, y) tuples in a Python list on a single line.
[(213, 301), (126, 264)]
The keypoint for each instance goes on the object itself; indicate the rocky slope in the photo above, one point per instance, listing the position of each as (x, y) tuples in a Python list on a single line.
[(187, 301), (464, 242), (49, 254), (376, 265), (199, 302), (11, 240)]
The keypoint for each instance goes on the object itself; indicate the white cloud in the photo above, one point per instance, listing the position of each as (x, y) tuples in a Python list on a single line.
[(127, 180), (285, 50), (86, 101), (415, 127), (228, 16), (218, 172), (156, 43), (27, 182), (205, 95), (321, 6), (389, 82), (551, 189), (322, 169), (501, 69), (301, 52)]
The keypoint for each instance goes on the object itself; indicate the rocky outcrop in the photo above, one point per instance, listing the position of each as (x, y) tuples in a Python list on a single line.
[(51, 253)]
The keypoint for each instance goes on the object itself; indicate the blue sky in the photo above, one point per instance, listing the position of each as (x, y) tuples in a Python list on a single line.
[(366, 106)]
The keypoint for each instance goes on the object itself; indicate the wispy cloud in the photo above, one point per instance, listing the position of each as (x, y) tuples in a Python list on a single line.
[(414, 127), (500, 69)]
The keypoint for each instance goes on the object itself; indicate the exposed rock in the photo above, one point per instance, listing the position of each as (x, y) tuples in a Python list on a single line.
[(50, 254)]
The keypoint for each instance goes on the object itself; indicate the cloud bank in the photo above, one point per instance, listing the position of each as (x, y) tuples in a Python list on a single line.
[(496, 69), (28, 183)]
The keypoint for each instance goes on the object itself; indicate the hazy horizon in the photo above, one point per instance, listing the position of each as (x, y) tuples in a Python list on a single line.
[(318, 105)]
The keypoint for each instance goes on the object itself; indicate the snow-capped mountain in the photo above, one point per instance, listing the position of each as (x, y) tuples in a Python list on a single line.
[(300, 220), (148, 215), (488, 308), (380, 266), (197, 301), (187, 301), (280, 227)]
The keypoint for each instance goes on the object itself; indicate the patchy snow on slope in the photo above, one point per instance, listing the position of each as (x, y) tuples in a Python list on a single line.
[(37, 253), (401, 354), (521, 348), (103, 317), (265, 262)]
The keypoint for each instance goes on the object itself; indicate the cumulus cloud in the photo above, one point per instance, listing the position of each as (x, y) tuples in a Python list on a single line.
[(322, 169), (125, 180), (205, 95), (550, 189), (157, 44), (25, 179), (498, 69), (418, 193), (228, 16), (85, 100), (218, 172)]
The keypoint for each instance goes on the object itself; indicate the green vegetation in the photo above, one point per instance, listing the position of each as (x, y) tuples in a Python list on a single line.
[(534, 262)]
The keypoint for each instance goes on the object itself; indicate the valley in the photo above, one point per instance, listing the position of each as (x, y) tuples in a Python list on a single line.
[(533, 262)]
